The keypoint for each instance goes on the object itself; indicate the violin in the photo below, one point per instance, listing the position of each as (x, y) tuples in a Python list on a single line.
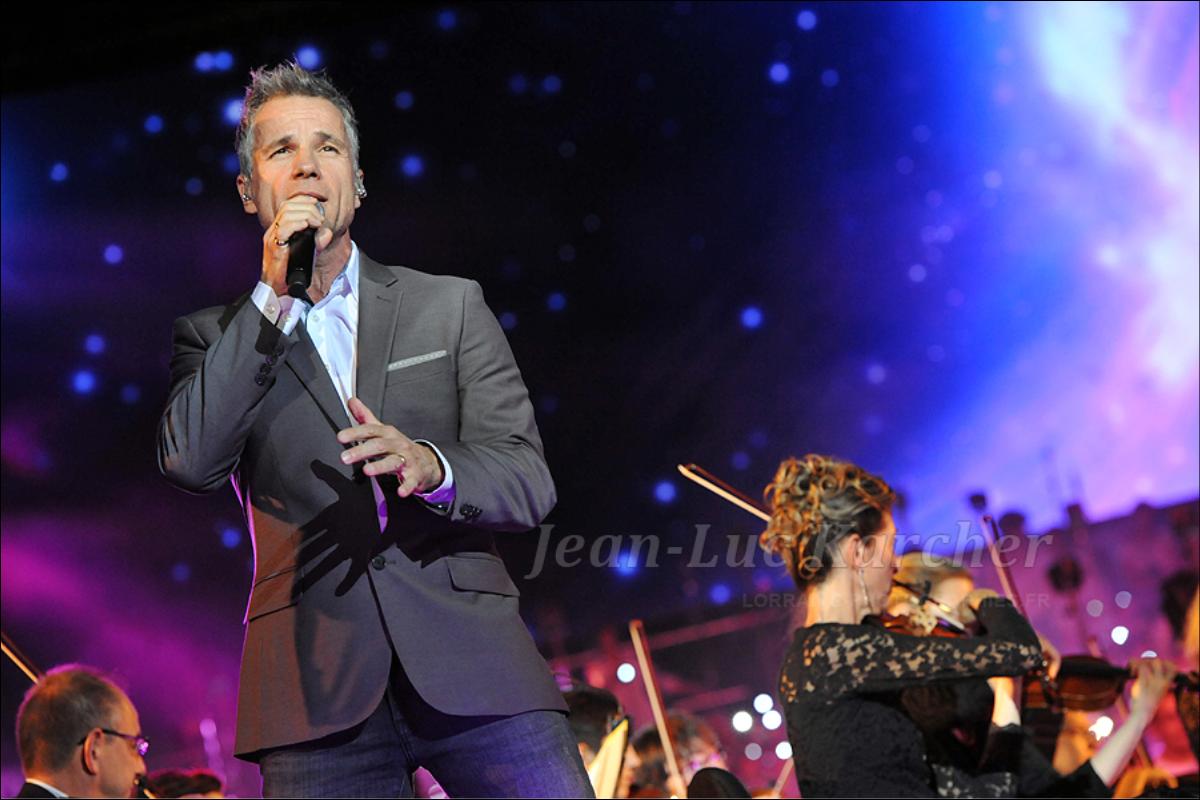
[(1089, 683), (915, 625)]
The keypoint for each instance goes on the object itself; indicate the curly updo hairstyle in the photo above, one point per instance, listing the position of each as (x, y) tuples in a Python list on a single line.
[(816, 502)]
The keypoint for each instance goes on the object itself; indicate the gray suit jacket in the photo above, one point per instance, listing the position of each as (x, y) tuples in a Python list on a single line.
[(332, 596)]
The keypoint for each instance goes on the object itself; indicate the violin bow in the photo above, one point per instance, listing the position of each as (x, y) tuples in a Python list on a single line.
[(641, 648), (20, 659), (784, 774), (720, 488), (991, 533)]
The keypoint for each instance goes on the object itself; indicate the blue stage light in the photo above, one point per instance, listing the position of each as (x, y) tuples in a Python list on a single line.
[(876, 373), (518, 84), (308, 57), (113, 254), (230, 163), (664, 492), (130, 394), (404, 100), (806, 20), (508, 320), (94, 344), (720, 594), (223, 60), (231, 537), (412, 166), (181, 572), (830, 78), (752, 317), (153, 124), (59, 172), (83, 381), (203, 62), (233, 111), (779, 72), (740, 460), (557, 301), (447, 20), (194, 186), (625, 564), (551, 84), (548, 404)]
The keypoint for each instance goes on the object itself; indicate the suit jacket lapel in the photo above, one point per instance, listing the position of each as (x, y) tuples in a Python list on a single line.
[(306, 362), (378, 308)]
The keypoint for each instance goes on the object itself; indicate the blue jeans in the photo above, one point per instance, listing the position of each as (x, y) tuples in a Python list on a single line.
[(528, 755)]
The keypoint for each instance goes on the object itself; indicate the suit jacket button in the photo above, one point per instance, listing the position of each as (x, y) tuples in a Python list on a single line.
[(260, 379), (378, 562)]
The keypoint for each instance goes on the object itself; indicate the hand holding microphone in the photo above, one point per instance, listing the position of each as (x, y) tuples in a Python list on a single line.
[(291, 243)]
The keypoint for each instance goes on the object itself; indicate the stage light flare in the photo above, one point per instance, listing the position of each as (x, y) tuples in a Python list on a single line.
[(1102, 727)]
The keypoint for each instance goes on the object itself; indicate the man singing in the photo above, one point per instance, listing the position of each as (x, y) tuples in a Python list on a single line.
[(377, 433)]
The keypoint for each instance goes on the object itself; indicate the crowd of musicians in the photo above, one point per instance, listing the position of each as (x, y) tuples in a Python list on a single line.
[(903, 680)]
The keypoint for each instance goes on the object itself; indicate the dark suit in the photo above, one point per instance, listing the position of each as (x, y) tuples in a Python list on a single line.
[(330, 591), (33, 790)]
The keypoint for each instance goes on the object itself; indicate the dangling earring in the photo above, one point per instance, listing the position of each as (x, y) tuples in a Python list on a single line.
[(862, 583)]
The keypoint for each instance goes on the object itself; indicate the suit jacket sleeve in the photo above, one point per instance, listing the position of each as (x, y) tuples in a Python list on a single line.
[(501, 479), (220, 372)]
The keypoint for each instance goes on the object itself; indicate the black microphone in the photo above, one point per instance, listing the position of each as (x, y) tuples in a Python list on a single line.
[(302, 254)]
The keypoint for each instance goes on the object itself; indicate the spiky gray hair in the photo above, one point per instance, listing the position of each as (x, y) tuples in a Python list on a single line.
[(289, 80)]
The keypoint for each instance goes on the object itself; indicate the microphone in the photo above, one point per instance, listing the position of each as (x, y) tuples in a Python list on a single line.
[(302, 252), (302, 256)]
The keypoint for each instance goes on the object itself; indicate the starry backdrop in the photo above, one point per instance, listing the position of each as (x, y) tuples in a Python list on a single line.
[(957, 243)]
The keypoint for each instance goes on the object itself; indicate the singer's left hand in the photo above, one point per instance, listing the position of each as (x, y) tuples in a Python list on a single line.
[(390, 451)]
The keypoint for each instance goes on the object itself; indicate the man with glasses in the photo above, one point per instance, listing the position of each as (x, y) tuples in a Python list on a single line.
[(79, 736)]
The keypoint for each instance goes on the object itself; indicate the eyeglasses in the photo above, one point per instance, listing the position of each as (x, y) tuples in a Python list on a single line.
[(140, 743)]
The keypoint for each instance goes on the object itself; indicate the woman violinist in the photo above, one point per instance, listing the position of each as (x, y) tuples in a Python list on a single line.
[(947, 711), (841, 680)]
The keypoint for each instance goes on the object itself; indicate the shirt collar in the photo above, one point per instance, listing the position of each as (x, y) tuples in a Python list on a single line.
[(51, 789), (346, 282)]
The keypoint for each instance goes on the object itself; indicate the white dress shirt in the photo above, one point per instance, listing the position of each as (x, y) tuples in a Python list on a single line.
[(332, 325)]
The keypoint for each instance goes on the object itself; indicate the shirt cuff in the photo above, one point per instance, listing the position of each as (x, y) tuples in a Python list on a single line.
[(444, 494), (280, 311)]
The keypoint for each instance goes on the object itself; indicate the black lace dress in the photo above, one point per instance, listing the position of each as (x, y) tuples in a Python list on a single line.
[(841, 687)]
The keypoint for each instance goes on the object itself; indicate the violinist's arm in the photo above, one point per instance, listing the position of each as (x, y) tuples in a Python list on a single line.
[(882, 661), (1004, 707), (1154, 677)]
